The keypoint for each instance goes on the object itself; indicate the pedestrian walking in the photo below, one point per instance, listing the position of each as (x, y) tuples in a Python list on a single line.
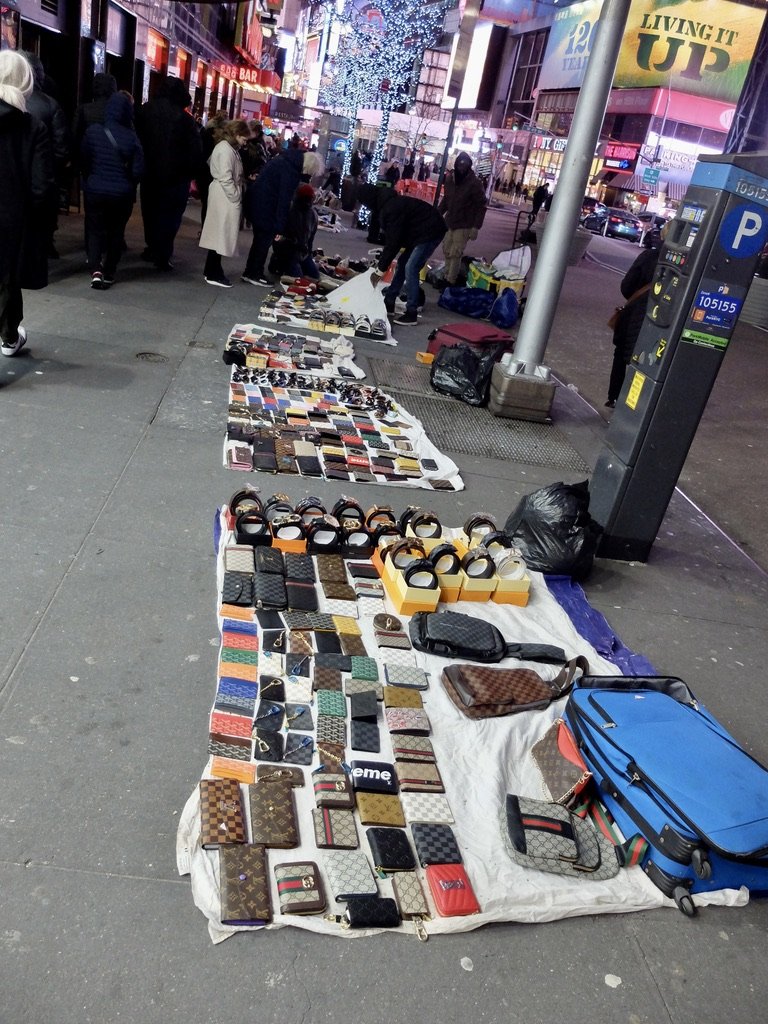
[(111, 162), (292, 251), (539, 196), (173, 157), (267, 201), (627, 321), (28, 192), (93, 112), (410, 225), (225, 201), (463, 208)]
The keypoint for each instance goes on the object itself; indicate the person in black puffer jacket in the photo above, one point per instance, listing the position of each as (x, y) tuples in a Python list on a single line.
[(173, 154), (46, 109), (267, 201), (292, 254), (112, 162)]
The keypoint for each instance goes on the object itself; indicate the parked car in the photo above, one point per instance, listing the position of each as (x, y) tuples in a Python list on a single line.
[(590, 205), (651, 221), (615, 223)]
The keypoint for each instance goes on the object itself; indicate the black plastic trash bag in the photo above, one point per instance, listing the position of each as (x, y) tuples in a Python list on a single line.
[(554, 531), (460, 371)]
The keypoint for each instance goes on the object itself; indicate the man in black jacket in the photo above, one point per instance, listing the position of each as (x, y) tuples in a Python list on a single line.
[(92, 113), (46, 109), (410, 225), (173, 154)]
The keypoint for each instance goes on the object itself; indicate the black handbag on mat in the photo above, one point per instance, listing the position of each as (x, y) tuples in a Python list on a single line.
[(454, 635)]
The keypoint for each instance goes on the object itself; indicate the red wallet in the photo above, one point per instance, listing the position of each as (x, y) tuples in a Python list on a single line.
[(451, 890)]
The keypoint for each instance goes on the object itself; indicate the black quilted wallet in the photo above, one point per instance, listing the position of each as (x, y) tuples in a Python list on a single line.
[(267, 746), (299, 567), (270, 560), (390, 849), (372, 912), (237, 588), (269, 589)]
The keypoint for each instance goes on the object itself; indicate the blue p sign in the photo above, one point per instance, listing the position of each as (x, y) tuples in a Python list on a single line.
[(744, 231)]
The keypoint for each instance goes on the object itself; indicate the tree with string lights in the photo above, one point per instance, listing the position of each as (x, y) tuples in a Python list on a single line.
[(379, 52)]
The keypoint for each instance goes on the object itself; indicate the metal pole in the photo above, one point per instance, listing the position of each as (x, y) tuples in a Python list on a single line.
[(552, 259), (446, 151)]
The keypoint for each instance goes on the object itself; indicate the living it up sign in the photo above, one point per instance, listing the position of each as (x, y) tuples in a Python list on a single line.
[(701, 47)]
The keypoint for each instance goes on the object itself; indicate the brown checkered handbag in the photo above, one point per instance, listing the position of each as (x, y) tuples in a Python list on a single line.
[(479, 691)]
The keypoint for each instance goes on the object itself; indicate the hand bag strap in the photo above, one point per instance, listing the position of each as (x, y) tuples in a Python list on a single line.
[(536, 652), (126, 162), (563, 681)]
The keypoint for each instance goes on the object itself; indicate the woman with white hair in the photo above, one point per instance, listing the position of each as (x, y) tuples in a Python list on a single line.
[(29, 190)]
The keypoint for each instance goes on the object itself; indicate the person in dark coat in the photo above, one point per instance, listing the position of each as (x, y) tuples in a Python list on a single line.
[(46, 109), (173, 156), (635, 286), (355, 165), (411, 225), (112, 162), (28, 192), (292, 254), (92, 113), (539, 196), (267, 201), (463, 206)]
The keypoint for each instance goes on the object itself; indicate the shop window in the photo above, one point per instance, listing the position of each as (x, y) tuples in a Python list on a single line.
[(712, 139), (687, 132)]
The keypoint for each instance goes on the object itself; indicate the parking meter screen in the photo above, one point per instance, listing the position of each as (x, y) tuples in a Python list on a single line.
[(716, 309), (692, 214)]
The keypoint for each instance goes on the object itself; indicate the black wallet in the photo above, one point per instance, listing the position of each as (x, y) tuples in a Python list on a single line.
[(272, 687), (363, 705), (267, 746), (269, 589), (269, 716), (301, 596), (341, 662), (274, 640), (299, 567), (364, 735), (372, 912), (269, 560), (327, 642), (309, 465), (390, 849), (237, 588), (269, 620)]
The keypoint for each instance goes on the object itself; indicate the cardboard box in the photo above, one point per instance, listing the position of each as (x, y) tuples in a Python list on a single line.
[(409, 600), (519, 598), (425, 357), (299, 545), (473, 589)]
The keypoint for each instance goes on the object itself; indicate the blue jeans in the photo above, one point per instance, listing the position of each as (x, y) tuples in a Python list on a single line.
[(409, 266)]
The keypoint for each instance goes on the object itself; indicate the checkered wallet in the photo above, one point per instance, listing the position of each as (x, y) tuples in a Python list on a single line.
[(298, 748), (430, 808), (222, 820), (435, 844), (406, 675)]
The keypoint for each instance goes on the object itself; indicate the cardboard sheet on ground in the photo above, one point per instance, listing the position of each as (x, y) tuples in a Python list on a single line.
[(359, 297), (480, 762)]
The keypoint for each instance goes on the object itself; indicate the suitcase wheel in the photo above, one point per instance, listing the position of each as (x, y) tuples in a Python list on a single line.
[(701, 865), (684, 902)]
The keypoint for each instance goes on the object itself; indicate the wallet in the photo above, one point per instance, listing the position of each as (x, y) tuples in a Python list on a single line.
[(269, 716), (272, 687), (269, 620), (243, 886), (269, 589), (402, 697), (353, 645), (335, 829), (327, 642), (349, 874), (390, 849), (362, 570), (338, 591), (224, 724), (301, 596), (299, 567), (363, 705), (229, 768), (451, 890), (300, 642), (429, 808), (273, 641), (331, 755), (406, 675), (412, 721), (373, 777), (267, 746), (331, 729), (331, 569), (418, 778), (273, 814), (270, 561), (237, 588), (229, 746), (266, 773), (309, 465), (364, 668), (222, 819), (326, 678), (409, 895), (331, 702), (364, 735), (435, 844), (412, 748), (299, 716), (298, 748), (372, 912), (341, 662), (333, 789), (352, 686), (299, 888), (380, 809), (345, 623), (239, 558)]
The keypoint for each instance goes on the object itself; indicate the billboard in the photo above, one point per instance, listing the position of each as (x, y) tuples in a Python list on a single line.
[(700, 47)]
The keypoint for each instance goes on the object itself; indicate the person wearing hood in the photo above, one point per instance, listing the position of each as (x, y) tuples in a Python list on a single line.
[(92, 113), (225, 201), (292, 252), (463, 206), (267, 202), (112, 162), (29, 190), (412, 228), (173, 154)]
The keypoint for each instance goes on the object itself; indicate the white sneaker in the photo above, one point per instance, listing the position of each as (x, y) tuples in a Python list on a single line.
[(21, 341)]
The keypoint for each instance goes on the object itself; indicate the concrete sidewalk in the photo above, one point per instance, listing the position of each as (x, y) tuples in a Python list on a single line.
[(112, 424)]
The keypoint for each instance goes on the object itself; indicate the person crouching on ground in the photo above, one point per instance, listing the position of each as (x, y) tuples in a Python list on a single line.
[(463, 207), (292, 251), (410, 225), (112, 162), (29, 189), (225, 201)]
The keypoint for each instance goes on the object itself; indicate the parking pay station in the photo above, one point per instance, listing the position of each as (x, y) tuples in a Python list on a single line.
[(704, 272)]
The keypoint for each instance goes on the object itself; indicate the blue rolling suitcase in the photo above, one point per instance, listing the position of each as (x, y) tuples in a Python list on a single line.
[(667, 770)]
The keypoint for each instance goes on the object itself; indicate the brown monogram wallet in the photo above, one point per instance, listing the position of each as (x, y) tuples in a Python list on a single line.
[(243, 886), (273, 815)]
